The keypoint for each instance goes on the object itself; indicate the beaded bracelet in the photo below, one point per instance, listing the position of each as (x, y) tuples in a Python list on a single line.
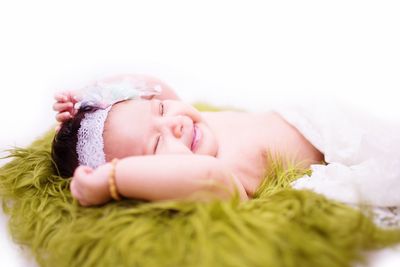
[(111, 181)]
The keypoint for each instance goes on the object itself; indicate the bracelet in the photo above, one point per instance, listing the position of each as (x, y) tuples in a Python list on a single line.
[(111, 181)]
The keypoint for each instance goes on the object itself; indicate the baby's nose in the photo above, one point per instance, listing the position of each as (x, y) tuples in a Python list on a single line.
[(177, 130), (177, 126)]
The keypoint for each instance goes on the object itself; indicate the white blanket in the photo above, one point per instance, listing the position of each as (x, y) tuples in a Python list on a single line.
[(362, 152)]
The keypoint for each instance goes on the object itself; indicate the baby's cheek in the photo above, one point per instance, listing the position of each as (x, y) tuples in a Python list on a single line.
[(115, 150)]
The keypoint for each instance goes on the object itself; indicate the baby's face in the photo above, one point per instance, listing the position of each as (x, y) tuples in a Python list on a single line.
[(150, 127)]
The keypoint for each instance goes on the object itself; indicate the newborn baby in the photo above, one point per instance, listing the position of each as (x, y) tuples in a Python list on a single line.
[(166, 149)]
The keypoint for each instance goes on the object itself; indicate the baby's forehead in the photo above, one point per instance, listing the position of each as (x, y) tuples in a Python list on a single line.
[(126, 129), (130, 107), (129, 111), (131, 103)]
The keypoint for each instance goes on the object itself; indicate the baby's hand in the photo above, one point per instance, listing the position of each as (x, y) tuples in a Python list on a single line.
[(90, 187), (64, 105)]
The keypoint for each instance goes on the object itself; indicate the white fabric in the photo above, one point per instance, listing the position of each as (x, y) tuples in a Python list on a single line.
[(90, 145), (387, 217), (363, 153)]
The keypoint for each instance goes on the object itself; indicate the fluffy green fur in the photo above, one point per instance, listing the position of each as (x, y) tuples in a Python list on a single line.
[(279, 227)]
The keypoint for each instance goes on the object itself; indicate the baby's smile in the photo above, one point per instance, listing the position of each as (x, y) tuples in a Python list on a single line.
[(196, 137)]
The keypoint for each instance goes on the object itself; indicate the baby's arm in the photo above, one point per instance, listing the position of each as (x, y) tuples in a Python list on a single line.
[(157, 177)]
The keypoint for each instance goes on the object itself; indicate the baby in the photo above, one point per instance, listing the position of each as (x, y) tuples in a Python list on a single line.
[(166, 149)]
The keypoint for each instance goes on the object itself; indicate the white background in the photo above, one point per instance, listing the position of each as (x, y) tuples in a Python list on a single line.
[(245, 53)]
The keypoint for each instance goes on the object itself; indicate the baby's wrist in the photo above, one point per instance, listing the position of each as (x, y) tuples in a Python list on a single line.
[(101, 187)]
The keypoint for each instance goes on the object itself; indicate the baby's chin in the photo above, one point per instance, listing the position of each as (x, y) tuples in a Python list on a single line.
[(208, 144)]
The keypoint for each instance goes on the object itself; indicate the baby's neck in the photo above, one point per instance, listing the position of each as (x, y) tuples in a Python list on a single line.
[(227, 125)]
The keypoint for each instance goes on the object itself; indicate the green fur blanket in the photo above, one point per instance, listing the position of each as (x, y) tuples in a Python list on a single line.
[(278, 227)]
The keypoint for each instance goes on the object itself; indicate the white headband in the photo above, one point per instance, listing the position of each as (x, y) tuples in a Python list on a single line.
[(90, 145)]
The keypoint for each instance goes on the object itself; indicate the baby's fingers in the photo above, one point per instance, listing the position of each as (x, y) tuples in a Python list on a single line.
[(58, 106), (77, 194), (61, 97), (66, 96), (64, 116)]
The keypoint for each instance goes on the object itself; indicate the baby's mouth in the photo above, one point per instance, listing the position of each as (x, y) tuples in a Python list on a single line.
[(196, 138)]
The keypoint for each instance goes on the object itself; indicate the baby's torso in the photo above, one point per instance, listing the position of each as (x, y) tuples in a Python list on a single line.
[(256, 137)]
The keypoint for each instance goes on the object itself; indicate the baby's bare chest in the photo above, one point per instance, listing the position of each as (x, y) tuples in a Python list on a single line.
[(263, 138)]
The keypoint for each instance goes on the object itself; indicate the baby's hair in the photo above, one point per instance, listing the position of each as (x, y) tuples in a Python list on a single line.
[(63, 149)]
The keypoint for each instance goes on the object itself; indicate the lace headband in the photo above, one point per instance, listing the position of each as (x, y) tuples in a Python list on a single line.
[(90, 145)]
